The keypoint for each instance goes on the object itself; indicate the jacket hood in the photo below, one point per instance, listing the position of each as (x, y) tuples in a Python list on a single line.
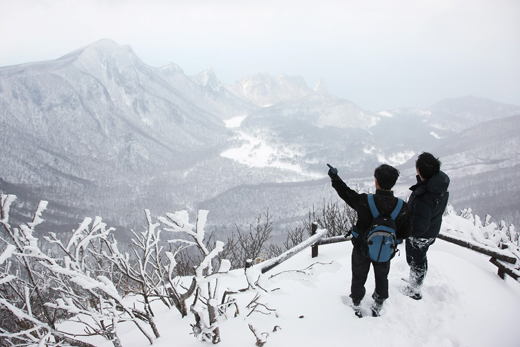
[(438, 184)]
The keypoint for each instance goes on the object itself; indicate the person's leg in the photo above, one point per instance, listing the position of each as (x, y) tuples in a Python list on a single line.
[(360, 268), (416, 250), (381, 271)]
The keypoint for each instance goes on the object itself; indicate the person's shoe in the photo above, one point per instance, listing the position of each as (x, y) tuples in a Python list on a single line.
[(377, 305), (376, 309), (356, 306), (411, 292)]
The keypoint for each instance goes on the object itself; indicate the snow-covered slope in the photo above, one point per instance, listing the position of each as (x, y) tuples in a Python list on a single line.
[(483, 164), (471, 110), (456, 114), (464, 303)]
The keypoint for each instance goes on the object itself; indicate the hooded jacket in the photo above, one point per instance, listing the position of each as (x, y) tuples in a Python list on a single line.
[(427, 203)]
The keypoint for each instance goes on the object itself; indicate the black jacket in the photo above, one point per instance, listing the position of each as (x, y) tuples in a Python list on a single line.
[(385, 203), (427, 203)]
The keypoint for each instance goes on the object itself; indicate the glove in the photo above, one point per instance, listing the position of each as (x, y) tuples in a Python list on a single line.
[(333, 172)]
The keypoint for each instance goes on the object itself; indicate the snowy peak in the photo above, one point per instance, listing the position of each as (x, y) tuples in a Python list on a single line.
[(207, 78), (321, 88), (106, 52), (171, 69), (265, 90)]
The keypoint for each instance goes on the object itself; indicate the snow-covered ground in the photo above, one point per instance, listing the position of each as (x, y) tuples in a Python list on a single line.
[(464, 303), (256, 152)]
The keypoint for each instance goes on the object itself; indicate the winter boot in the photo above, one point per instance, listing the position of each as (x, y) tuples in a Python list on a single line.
[(356, 306), (377, 305), (412, 292)]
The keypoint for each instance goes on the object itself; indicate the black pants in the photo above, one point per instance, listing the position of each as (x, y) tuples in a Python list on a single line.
[(360, 268), (416, 250)]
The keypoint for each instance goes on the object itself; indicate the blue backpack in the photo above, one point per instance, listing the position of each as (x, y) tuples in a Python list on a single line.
[(380, 236)]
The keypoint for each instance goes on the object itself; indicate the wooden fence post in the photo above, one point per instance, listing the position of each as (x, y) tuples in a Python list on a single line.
[(314, 248), (504, 270)]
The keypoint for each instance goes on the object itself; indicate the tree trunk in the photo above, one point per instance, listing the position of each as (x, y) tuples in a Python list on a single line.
[(73, 342), (213, 321)]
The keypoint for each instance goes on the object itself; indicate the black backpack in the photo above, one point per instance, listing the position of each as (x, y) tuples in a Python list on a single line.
[(380, 237)]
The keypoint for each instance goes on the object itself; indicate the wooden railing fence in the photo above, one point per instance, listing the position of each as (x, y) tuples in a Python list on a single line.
[(507, 264)]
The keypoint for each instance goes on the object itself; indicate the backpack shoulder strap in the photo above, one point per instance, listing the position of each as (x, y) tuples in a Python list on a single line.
[(397, 209), (372, 205)]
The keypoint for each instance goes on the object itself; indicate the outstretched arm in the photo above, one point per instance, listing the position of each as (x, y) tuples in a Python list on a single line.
[(351, 197)]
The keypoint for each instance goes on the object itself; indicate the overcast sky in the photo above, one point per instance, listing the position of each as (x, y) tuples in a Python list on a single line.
[(380, 54)]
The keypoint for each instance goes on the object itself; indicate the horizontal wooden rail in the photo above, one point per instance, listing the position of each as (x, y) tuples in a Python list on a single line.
[(320, 233), (333, 239), (496, 253)]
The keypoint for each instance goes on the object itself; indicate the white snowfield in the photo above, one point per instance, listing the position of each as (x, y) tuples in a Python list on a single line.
[(465, 303)]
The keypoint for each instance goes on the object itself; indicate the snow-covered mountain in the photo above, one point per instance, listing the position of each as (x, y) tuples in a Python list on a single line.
[(456, 114), (471, 110), (483, 162), (101, 132), (264, 90), (97, 126)]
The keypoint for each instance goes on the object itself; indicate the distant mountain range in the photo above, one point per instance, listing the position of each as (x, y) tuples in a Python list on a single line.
[(99, 132)]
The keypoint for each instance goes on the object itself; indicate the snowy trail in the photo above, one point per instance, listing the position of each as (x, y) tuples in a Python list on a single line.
[(464, 304)]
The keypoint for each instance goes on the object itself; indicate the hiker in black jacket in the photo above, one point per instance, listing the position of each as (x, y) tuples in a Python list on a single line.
[(427, 203), (385, 178)]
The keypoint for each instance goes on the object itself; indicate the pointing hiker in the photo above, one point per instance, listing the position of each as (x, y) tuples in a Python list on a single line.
[(382, 203), (427, 203)]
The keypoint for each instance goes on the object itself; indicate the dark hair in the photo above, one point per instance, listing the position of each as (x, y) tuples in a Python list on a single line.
[(386, 176), (427, 165)]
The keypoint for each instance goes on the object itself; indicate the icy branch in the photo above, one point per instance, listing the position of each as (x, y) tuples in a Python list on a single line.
[(206, 263), (7, 253), (6, 201), (38, 214)]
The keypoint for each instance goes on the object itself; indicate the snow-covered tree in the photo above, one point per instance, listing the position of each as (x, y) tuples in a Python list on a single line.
[(37, 290), (205, 306), (26, 286)]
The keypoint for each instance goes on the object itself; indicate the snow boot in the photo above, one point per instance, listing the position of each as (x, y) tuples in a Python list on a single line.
[(377, 305), (411, 292), (356, 306)]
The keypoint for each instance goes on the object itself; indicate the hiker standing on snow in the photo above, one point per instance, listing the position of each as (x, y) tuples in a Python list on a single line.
[(385, 204), (427, 203)]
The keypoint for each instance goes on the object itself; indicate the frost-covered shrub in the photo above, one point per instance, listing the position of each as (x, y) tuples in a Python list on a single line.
[(205, 305), (242, 246), (84, 277), (469, 226)]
